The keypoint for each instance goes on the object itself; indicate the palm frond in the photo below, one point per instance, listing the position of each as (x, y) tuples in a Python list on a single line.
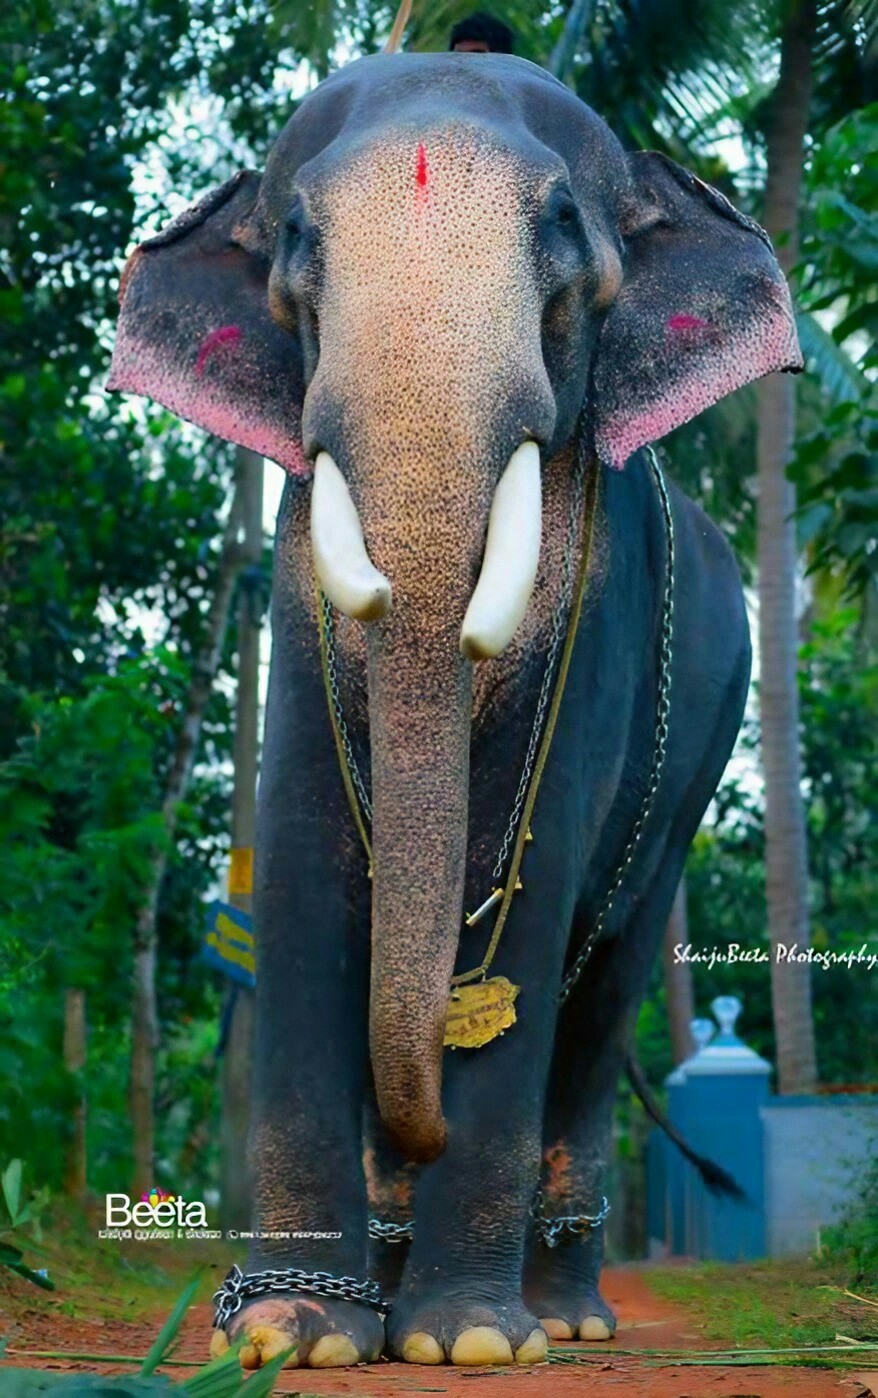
[(840, 379), (667, 67)]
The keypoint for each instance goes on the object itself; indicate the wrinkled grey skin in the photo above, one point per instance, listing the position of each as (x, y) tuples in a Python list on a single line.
[(444, 258)]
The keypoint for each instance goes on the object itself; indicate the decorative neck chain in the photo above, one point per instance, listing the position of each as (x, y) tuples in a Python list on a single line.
[(660, 738), (360, 799), (499, 1014)]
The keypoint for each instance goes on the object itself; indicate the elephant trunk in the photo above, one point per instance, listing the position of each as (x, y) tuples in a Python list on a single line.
[(424, 632), (420, 735)]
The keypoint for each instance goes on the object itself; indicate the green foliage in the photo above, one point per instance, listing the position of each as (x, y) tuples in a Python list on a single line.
[(853, 1242), (164, 1340), (223, 1377), (16, 1211), (80, 817), (108, 545), (836, 461)]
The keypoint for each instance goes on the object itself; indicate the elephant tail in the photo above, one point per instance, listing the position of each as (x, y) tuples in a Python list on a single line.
[(715, 1178)]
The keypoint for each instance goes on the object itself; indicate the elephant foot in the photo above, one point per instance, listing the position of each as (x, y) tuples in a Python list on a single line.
[(568, 1316), (326, 1333), (464, 1332)]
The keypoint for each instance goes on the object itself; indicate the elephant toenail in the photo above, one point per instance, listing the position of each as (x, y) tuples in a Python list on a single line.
[(557, 1329), (333, 1352), (422, 1349), (219, 1343), (250, 1356), (593, 1328), (273, 1342), (533, 1351), (481, 1344)]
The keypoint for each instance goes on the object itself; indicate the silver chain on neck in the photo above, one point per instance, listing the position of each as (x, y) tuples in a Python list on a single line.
[(660, 741)]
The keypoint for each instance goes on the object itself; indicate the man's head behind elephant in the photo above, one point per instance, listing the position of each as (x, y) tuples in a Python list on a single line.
[(481, 33), (449, 270)]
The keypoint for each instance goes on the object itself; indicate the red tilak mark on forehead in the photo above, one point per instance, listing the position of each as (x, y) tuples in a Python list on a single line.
[(684, 322), (422, 173), (226, 335)]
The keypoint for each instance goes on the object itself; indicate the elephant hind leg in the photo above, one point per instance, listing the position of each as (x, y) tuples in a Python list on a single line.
[(596, 1026), (390, 1183), (561, 1284)]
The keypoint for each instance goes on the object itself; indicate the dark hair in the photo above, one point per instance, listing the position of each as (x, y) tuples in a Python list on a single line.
[(481, 26)]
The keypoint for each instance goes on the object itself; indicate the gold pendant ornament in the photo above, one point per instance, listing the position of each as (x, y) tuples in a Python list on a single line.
[(478, 1012)]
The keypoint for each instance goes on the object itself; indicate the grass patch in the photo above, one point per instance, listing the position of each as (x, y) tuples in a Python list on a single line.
[(771, 1305), (111, 1280)]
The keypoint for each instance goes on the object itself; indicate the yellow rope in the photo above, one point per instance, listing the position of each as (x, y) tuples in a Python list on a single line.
[(545, 744)]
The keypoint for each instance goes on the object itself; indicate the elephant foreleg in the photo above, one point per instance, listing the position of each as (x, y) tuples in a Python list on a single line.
[(460, 1294), (312, 927)]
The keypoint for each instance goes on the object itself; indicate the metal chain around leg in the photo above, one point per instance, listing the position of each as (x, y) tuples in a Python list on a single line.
[(562, 1228), (239, 1286), (382, 1232)]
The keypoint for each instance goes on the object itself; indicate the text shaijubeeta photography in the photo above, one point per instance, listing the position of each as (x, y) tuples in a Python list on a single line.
[(735, 953)]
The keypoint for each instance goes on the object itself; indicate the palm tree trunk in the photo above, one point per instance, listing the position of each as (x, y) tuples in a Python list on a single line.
[(679, 990), (785, 829), (74, 1052), (145, 1022)]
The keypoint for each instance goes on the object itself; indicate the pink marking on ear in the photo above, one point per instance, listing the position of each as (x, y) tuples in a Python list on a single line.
[(423, 173), (687, 332), (739, 358), (685, 322), (225, 335)]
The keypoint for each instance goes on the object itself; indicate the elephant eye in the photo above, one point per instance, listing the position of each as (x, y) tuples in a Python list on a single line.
[(295, 225), (563, 209)]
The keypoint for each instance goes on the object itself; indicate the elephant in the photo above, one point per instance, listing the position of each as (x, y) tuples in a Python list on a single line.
[(459, 313)]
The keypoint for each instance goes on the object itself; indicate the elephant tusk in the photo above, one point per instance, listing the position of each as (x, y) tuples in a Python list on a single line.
[(343, 568), (512, 554)]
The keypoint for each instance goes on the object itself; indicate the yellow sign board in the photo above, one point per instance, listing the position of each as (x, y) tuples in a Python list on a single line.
[(241, 872), (228, 943)]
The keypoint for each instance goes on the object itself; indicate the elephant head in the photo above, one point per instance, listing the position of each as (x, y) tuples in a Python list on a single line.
[(448, 270)]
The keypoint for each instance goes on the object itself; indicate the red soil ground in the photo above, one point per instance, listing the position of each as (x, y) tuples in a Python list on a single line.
[(646, 1322)]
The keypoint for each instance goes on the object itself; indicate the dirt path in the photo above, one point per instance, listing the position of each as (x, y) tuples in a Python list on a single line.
[(646, 1322)]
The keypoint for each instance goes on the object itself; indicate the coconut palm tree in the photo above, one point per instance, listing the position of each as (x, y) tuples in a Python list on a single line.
[(786, 848)]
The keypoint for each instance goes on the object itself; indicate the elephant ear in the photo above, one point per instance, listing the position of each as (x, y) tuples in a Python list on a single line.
[(195, 332), (703, 309)]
